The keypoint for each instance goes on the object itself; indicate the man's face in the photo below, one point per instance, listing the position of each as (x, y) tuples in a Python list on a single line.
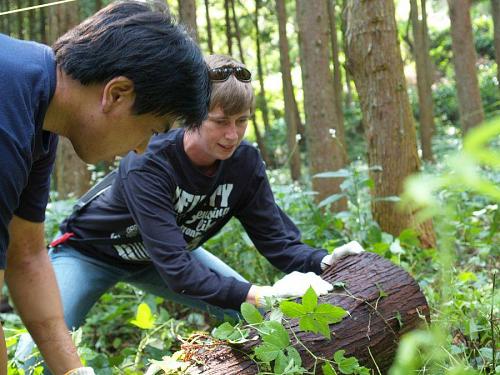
[(221, 134), (117, 135)]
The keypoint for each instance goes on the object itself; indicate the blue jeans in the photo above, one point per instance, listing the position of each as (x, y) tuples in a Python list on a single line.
[(83, 280)]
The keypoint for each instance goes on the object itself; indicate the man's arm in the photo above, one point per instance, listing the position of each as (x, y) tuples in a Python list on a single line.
[(33, 287)]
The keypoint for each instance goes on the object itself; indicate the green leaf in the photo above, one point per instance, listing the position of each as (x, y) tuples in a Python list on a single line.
[(310, 300), (223, 331), (278, 337), (144, 319), (267, 352), (328, 369), (345, 365), (294, 354), (281, 363), (292, 309), (330, 199), (329, 314), (308, 323), (251, 314)]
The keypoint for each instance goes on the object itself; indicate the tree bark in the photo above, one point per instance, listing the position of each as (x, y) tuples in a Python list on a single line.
[(337, 73), (495, 13), (422, 61), (209, 28), (262, 103), (325, 137), (292, 116), (187, 14), (377, 67), (464, 59), (383, 300)]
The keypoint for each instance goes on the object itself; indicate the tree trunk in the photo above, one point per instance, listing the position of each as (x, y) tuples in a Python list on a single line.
[(262, 103), (292, 116), (20, 24), (495, 12), (42, 22), (72, 177), (187, 14), (383, 300), (343, 26), (228, 28), (325, 142), (377, 67), (423, 79), (32, 21), (209, 28), (337, 74), (237, 32), (260, 142), (464, 59)]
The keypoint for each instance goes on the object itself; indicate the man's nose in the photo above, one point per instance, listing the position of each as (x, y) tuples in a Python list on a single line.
[(231, 132)]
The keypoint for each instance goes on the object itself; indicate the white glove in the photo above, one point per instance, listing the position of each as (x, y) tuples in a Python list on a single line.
[(81, 371), (294, 285), (350, 248)]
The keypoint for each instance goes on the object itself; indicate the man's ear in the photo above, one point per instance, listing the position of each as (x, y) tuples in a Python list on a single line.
[(118, 92)]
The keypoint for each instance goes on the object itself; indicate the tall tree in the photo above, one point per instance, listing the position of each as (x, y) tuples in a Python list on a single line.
[(292, 116), (42, 22), (262, 103), (424, 80), (464, 59), (348, 79), (229, 34), (237, 32), (495, 12), (20, 24), (337, 74), (32, 21), (187, 14), (209, 28), (325, 144), (72, 177), (377, 67)]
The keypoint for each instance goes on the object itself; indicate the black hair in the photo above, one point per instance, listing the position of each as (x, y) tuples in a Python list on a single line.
[(140, 41)]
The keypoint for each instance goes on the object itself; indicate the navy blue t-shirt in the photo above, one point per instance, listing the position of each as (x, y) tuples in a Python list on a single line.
[(27, 153), (176, 208)]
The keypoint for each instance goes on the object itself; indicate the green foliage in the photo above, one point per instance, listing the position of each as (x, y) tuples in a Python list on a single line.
[(313, 317)]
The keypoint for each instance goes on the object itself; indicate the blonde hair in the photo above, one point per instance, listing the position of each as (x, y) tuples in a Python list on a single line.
[(232, 95)]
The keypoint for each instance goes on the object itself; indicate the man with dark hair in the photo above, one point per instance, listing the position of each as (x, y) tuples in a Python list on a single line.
[(146, 228), (122, 75)]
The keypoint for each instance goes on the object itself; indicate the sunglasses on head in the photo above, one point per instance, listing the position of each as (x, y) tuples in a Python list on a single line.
[(224, 72)]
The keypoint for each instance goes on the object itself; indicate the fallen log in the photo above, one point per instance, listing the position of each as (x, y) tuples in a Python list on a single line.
[(383, 301)]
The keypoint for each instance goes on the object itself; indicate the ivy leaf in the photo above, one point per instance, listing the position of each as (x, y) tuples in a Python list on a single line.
[(328, 369), (346, 365), (294, 354), (250, 313), (278, 337), (223, 331), (308, 323), (144, 319), (281, 363), (267, 352), (292, 309), (329, 314), (310, 300)]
